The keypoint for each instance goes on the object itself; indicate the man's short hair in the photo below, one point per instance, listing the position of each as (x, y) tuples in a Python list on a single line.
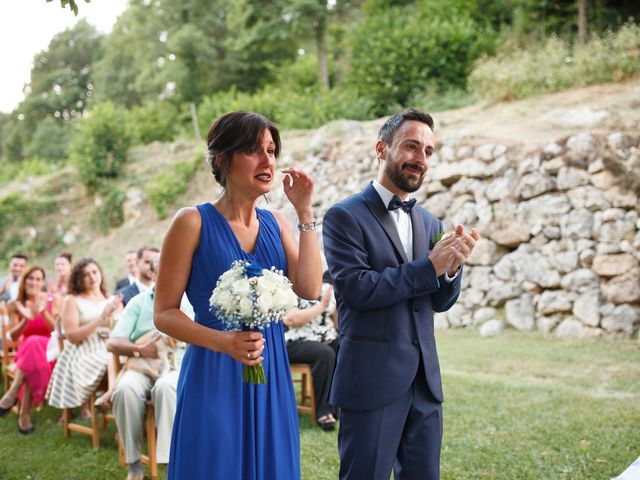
[(147, 249), (21, 256), (390, 127)]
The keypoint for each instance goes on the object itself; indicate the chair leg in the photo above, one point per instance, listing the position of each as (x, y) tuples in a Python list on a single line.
[(66, 416), (151, 441), (311, 396), (95, 431), (121, 460)]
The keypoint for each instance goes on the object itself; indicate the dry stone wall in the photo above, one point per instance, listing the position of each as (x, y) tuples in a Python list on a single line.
[(560, 224)]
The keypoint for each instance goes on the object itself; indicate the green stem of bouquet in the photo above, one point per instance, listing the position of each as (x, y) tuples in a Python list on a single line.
[(253, 374)]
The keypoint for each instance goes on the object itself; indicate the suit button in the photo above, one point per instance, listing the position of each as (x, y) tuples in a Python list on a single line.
[(416, 308), (415, 343)]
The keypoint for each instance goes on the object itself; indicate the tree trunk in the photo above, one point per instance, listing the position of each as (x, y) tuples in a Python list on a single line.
[(323, 60), (582, 21)]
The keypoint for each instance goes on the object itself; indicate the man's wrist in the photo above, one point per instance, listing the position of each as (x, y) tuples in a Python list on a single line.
[(135, 352)]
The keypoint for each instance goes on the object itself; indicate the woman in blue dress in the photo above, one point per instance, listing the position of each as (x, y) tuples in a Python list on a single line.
[(224, 428)]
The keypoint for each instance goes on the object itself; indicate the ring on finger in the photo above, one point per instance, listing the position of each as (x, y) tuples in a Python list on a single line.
[(249, 355)]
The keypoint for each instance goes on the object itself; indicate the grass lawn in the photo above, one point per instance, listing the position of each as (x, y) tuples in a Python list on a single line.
[(519, 406)]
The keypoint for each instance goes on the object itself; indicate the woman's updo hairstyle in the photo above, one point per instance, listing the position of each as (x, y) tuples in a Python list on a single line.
[(236, 132)]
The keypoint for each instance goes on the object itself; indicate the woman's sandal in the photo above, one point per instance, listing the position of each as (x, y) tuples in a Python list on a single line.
[(327, 422)]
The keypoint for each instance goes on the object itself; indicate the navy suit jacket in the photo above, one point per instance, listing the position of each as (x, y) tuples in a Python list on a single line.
[(129, 292), (122, 283), (385, 303)]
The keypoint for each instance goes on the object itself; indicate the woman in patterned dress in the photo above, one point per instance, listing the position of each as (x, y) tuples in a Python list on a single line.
[(86, 320)]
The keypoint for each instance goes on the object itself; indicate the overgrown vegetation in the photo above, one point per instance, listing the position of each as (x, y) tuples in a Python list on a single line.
[(110, 210), (167, 186), (100, 148), (18, 212), (558, 64)]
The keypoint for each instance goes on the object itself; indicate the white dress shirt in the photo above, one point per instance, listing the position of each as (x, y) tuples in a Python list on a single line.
[(401, 218), (402, 221)]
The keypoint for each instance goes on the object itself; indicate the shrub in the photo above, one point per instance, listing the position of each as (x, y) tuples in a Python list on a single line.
[(110, 212), (309, 108), (402, 50), (555, 65), (153, 121), (17, 212), (99, 150), (50, 140), (167, 186)]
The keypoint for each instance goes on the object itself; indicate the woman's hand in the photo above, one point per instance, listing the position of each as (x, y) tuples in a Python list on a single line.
[(22, 310), (298, 187), (114, 304), (326, 298), (245, 347)]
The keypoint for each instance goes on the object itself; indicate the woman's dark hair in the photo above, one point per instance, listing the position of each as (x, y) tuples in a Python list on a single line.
[(76, 285), (236, 132), (22, 286), (66, 255)]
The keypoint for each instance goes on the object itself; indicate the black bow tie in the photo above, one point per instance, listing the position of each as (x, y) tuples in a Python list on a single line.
[(396, 203)]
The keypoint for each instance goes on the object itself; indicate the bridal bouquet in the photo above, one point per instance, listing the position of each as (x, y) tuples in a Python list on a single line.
[(248, 297)]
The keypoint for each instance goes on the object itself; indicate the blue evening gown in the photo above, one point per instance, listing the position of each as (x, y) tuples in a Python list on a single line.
[(225, 429)]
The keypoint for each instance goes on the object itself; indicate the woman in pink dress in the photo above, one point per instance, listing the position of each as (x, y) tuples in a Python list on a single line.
[(32, 317)]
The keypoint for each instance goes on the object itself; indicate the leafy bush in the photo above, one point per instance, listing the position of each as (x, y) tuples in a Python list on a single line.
[(99, 150), (289, 109), (555, 65), (153, 121), (50, 140), (402, 50), (110, 212), (167, 187), (17, 212)]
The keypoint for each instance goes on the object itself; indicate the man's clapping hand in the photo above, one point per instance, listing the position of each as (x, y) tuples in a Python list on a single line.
[(453, 250)]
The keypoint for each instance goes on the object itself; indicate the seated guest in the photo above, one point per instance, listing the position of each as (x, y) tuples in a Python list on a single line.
[(135, 336), (86, 320), (32, 316), (62, 265), (130, 263), (9, 287), (144, 281), (312, 338)]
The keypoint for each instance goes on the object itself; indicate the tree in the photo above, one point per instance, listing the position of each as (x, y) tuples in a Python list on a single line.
[(582, 20), (73, 6)]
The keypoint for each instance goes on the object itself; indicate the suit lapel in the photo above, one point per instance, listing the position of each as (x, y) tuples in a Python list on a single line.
[(381, 213), (419, 234)]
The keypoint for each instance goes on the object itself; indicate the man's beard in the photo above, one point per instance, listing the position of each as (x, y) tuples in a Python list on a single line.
[(394, 173)]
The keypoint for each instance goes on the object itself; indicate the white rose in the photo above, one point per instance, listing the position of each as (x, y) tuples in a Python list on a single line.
[(285, 299), (265, 302), (225, 300), (241, 287), (245, 307)]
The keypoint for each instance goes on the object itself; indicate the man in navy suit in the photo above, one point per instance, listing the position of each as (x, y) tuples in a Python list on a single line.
[(131, 264), (392, 267), (145, 279)]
